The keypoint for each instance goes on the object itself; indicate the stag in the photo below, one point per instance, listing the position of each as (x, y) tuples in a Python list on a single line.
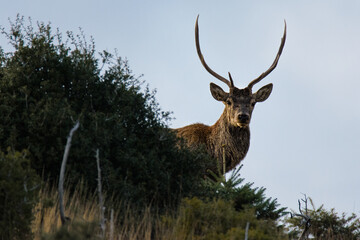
[(229, 137)]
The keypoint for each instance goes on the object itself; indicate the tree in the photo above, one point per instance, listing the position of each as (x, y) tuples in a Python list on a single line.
[(49, 81)]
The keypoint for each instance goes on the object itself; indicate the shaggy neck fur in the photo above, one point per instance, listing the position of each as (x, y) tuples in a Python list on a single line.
[(235, 141), (220, 137)]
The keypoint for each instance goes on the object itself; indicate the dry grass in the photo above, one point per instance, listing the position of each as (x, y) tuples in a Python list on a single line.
[(77, 208), (196, 220), (82, 207)]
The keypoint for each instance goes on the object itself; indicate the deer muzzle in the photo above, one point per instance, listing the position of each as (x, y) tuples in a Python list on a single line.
[(243, 120)]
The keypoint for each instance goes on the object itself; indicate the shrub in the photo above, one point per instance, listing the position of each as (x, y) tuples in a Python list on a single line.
[(75, 231), (49, 81), (242, 195), (218, 220), (327, 225), (19, 187)]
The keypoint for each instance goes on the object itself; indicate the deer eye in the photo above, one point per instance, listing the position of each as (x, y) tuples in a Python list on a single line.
[(228, 102), (253, 104)]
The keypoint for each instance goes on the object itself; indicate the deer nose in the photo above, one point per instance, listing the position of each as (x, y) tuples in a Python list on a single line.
[(243, 118)]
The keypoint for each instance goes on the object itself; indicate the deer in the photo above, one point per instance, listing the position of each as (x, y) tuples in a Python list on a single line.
[(228, 140)]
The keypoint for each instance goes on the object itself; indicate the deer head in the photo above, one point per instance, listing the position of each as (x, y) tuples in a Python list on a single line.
[(239, 103)]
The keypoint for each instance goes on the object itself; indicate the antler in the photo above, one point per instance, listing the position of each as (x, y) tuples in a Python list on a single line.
[(273, 66), (229, 83)]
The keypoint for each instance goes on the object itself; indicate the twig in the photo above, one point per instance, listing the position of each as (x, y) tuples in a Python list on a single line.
[(247, 230), (112, 225), (101, 200), (62, 173)]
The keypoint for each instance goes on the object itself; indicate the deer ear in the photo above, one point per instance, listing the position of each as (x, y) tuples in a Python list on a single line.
[(263, 93), (217, 92)]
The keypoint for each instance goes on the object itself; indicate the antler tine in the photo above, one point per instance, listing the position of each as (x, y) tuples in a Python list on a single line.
[(231, 80), (273, 66), (203, 60)]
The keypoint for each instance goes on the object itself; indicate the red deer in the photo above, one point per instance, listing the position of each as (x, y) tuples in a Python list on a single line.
[(230, 135)]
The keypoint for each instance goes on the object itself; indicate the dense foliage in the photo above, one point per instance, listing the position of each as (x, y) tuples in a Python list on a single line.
[(242, 195), (19, 187), (49, 81), (219, 220)]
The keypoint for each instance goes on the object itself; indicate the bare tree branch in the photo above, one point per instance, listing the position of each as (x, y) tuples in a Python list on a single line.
[(305, 217), (247, 230), (101, 200), (111, 225), (62, 173)]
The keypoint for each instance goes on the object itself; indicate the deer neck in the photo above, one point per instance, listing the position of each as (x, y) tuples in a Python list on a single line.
[(235, 141)]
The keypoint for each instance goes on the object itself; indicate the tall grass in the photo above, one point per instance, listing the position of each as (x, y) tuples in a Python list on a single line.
[(82, 208), (195, 219), (79, 206)]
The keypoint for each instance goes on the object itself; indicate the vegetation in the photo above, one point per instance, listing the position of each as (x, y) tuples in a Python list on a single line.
[(218, 219), (156, 187), (49, 81), (194, 219), (242, 195), (19, 186), (326, 224)]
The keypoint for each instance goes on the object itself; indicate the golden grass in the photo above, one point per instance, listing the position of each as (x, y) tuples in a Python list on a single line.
[(77, 208), (196, 220), (83, 207)]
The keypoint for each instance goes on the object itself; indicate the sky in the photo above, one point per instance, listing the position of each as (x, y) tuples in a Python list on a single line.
[(304, 138)]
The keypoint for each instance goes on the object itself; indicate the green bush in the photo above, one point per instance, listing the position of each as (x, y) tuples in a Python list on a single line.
[(242, 195), (218, 220), (75, 231), (49, 81), (19, 187)]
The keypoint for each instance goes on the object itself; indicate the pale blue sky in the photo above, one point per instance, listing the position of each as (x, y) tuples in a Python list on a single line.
[(305, 137)]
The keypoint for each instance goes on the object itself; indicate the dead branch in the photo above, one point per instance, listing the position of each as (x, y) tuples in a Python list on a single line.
[(247, 230), (101, 200), (111, 225), (62, 173), (306, 220)]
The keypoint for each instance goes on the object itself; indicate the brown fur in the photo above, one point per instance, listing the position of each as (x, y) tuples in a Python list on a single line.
[(221, 136)]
